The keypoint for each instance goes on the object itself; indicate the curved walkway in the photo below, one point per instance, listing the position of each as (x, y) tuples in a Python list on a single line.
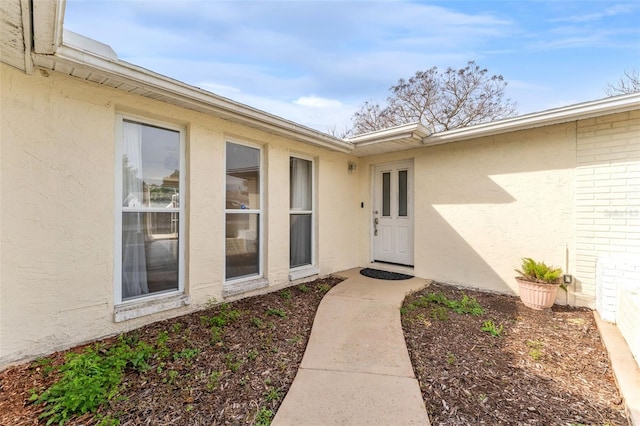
[(356, 368)]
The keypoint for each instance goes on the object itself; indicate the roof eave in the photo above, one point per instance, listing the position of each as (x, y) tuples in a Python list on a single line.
[(550, 117), (106, 62), (48, 17)]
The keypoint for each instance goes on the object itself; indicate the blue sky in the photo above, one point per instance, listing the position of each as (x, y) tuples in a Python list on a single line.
[(316, 62)]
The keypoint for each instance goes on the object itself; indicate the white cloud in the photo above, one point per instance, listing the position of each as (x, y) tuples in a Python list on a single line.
[(317, 102)]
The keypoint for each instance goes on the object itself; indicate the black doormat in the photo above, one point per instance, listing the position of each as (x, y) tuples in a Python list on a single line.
[(383, 275)]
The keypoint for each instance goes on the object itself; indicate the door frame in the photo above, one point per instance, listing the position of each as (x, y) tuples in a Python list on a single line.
[(410, 207)]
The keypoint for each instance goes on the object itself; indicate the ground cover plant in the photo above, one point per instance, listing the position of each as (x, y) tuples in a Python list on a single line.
[(228, 364), (499, 362), (480, 358)]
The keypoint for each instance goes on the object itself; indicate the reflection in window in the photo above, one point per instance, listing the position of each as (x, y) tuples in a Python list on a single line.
[(243, 210), (402, 193), (150, 209), (300, 220), (386, 194)]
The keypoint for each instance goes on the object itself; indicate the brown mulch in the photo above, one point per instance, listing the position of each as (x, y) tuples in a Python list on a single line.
[(548, 368), (246, 369)]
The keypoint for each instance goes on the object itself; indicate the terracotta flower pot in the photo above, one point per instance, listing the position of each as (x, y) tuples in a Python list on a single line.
[(537, 295)]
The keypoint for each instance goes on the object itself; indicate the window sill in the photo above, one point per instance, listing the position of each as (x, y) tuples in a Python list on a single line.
[(141, 308), (305, 272), (234, 288)]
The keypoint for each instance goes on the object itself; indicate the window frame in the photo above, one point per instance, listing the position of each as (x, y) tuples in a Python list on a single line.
[(304, 271), (228, 283), (120, 209)]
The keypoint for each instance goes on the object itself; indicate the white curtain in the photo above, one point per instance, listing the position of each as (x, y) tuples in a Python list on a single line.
[(300, 224), (134, 261)]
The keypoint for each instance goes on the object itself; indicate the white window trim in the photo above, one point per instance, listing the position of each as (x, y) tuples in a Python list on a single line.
[(140, 305), (233, 286), (305, 271)]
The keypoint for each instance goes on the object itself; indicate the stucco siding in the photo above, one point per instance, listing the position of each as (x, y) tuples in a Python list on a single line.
[(483, 204), (57, 228)]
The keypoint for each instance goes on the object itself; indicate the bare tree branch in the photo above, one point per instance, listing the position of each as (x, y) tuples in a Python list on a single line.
[(628, 83), (448, 100)]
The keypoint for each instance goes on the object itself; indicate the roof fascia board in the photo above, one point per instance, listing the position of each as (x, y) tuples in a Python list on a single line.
[(25, 11), (411, 130), (199, 99), (545, 118), (48, 17)]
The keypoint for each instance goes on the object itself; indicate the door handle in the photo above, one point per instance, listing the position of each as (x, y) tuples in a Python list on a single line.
[(375, 227)]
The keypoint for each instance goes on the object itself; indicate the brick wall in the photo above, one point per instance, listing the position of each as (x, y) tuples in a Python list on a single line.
[(607, 199)]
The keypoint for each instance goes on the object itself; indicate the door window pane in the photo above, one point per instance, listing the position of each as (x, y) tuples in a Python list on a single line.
[(243, 177), (300, 240), (386, 194), (402, 193), (242, 245)]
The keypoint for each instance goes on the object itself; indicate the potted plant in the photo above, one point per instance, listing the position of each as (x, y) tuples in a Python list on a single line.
[(538, 283)]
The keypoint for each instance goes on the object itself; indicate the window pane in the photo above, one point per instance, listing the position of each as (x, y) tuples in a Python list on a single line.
[(386, 194), (402, 193), (242, 242), (243, 177), (149, 253), (300, 240), (300, 184), (150, 166)]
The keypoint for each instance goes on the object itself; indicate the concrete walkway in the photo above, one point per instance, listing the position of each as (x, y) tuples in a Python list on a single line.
[(356, 368)]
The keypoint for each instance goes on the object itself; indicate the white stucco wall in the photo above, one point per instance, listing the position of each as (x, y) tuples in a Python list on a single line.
[(57, 146), (483, 204)]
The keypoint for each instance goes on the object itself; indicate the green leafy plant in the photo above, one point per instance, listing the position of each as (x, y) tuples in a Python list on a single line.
[(272, 394), (285, 294), (304, 288), (277, 312), (451, 358), (539, 272), (232, 363), (186, 353), (214, 380), (263, 417), (535, 349), (466, 305), (45, 365), (493, 329), (91, 378), (439, 313), (258, 322), (324, 288)]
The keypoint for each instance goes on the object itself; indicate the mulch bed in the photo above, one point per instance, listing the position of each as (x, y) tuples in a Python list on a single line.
[(548, 368), (247, 369)]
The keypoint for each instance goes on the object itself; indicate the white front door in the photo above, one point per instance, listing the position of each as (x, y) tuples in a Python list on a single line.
[(392, 225)]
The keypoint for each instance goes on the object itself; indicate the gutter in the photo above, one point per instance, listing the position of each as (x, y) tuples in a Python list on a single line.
[(81, 53), (565, 114), (416, 131)]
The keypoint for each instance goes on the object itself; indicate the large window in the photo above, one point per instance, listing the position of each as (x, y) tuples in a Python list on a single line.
[(301, 212), (150, 202), (243, 212)]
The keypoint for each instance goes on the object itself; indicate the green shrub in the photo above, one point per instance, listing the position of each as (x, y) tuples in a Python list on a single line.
[(539, 271), (90, 379)]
